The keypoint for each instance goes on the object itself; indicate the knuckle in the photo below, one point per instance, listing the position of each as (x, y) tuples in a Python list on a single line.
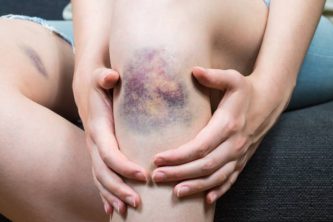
[(175, 175), (240, 145), (222, 178), (200, 185), (202, 150), (176, 158), (209, 166), (232, 125), (238, 78)]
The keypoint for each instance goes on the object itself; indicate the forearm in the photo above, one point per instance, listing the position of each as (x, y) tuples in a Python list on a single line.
[(290, 28), (91, 21)]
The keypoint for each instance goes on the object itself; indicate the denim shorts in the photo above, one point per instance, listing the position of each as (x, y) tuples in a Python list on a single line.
[(267, 2), (315, 80), (61, 28)]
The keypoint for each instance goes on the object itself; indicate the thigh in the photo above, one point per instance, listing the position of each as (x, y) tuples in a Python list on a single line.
[(44, 164), (315, 80), (39, 64)]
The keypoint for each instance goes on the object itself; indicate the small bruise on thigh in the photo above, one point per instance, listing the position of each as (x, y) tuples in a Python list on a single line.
[(154, 97), (34, 58)]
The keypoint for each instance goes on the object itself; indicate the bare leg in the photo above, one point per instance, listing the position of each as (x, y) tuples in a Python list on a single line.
[(44, 164), (159, 107)]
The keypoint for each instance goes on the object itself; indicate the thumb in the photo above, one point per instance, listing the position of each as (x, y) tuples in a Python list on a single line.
[(106, 78), (218, 78)]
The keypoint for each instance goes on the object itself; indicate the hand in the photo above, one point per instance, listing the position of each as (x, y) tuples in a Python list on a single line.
[(213, 160), (91, 88)]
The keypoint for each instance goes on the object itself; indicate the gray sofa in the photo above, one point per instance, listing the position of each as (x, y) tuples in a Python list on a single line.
[(290, 178)]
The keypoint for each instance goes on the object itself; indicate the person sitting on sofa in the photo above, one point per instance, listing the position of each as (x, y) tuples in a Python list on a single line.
[(156, 106)]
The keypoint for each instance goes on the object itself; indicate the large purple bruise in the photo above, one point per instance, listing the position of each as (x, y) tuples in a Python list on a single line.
[(172, 97), (153, 95)]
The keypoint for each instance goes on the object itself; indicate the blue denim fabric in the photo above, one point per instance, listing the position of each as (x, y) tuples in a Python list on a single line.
[(64, 27), (61, 28), (315, 79)]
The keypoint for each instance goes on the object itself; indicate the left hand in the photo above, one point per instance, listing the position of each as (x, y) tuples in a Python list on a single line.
[(213, 160)]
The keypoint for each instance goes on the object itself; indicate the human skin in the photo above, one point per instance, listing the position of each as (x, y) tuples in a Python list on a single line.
[(84, 71), (154, 109), (252, 103), (45, 167), (16, 194), (91, 79), (157, 104), (270, 81)]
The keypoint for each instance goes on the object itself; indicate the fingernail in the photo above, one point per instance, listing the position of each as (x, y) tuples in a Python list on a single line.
[(116, 205), (158, 161), (182, 191), (159, 177), (107, 208), (140, 176), (131, 201), (212, 198)]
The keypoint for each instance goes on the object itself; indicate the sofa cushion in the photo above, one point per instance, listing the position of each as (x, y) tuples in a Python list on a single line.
[(290, 178)]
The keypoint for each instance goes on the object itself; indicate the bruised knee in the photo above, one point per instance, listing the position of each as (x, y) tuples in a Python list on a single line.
[(153, 94)]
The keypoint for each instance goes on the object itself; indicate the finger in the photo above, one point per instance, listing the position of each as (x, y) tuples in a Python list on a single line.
[(197, 168), (101, 130), (114, 159), (112, 183), (202, 184), (206, 140), (217, 192), (106, 78), (107, 207), (220, 127), (108, 198), (218, 78)]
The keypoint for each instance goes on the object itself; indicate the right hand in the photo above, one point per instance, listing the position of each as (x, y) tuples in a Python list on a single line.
[(92, 87)]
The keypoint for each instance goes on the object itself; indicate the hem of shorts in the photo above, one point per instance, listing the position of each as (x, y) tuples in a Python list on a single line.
[(41, 22)]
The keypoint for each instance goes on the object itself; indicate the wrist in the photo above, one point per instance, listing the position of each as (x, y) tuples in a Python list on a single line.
[(277, 91), (93, 51)]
